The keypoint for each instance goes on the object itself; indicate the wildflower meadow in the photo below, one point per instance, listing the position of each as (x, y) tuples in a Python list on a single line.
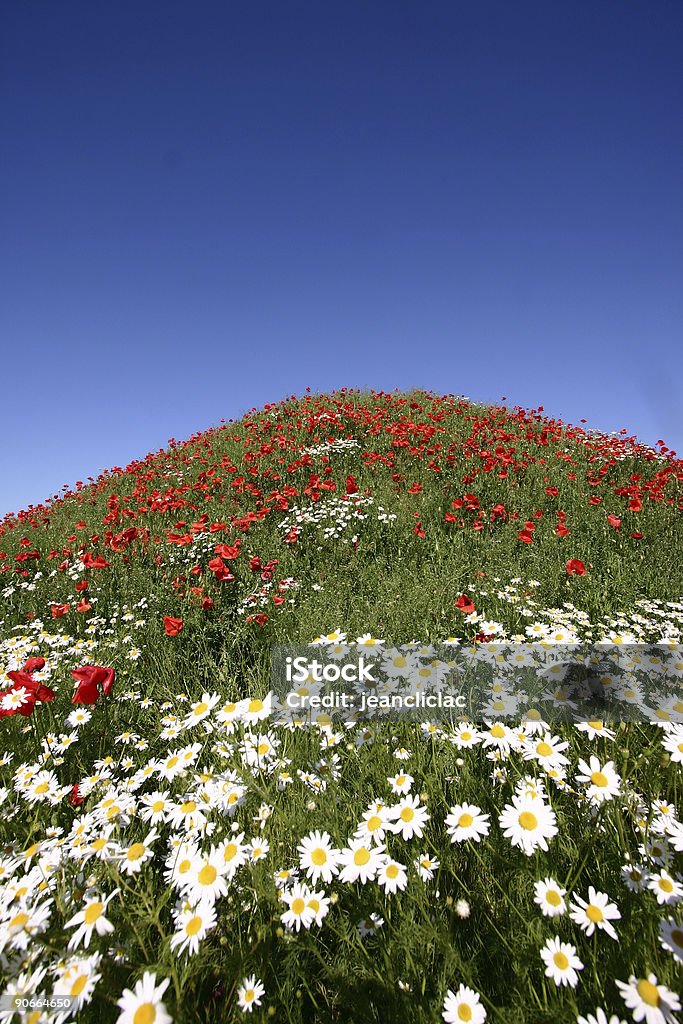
[(173, 850)]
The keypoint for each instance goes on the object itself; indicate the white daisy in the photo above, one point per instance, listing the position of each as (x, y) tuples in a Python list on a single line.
[(91, 918), (466, 821), (528, 823), (249, 994), (192, 924), (317, 857), (144, 1003), (549, 896), (409, 817), (392, 876), (561, 962), (463, 1005), (597, 912), (648, 1001)]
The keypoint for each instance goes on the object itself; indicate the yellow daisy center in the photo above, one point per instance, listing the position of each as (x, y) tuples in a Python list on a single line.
[(193, 925), (79, 984), (92, 912), (648, 992), (145, 1014)]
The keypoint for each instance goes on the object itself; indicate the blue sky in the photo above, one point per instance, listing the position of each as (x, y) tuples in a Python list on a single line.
[(210, 206)]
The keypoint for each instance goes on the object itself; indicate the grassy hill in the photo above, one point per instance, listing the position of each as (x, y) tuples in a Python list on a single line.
[(346, 518)]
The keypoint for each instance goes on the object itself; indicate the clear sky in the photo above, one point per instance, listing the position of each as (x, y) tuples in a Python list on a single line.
[(209, 206)]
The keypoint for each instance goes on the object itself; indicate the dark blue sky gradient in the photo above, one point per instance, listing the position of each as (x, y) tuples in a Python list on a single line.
[(209, 206)]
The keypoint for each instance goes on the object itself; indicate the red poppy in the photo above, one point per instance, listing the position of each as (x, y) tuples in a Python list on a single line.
[(75, 798), (58, 610), (90, 678), (351, 485), (34, 665), (91, 561), (220, 570), (575, 567), (614, 521), (86, 693), (227, 550), (465, 604), (172, 626)]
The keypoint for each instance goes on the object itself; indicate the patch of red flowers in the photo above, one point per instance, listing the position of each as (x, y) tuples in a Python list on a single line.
[(29, 690)]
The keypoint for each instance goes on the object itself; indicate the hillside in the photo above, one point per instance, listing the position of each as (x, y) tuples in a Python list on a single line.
[(138, 616)]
